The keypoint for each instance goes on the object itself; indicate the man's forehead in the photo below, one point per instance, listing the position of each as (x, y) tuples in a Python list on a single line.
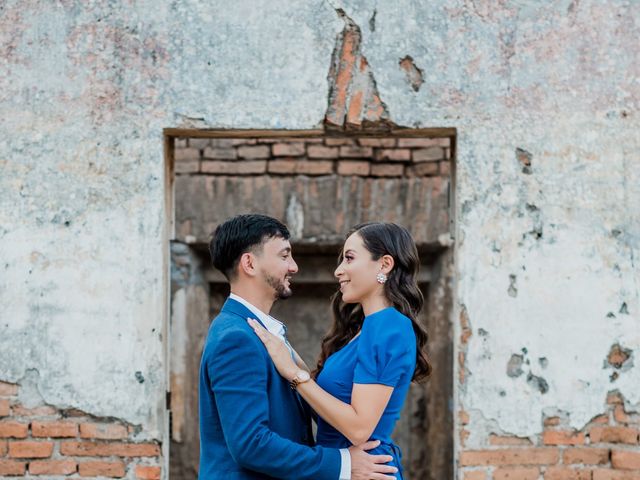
[(277, 243)]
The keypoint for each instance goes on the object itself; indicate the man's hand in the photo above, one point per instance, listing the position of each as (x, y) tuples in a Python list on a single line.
[(370, 467)]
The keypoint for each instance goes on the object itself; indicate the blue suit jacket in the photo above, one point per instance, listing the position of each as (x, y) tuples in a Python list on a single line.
[(252, 425)]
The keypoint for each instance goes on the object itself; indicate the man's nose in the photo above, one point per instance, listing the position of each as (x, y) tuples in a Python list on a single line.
[(293, 266)]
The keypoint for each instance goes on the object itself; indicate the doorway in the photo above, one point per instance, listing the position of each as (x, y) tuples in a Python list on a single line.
[(320, 185)]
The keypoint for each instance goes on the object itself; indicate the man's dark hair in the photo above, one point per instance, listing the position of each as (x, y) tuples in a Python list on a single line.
[(241, 234)]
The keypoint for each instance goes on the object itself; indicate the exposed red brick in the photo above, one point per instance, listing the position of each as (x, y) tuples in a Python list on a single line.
[(3, 448), (144, 472), (8, 389), (430, 154), (339, 141), (288, 149), (186, 154), (562, 437), (614, 435), (516, 473), (253, 152), (426, 169), (95, 449), (566, 473), (387, 170), (101, 469), (475, 475), (395, 154), (510, 456), (356, 152), (5, 407), (551, 421), (375, 110), (104, 431), (586, 456), (301, 167), (625, 459), (614, 398), (445, 168), (355, 109), (250, 167), (14, 430), (30, 449), (600, 419), (320, 151), (423, 142), (12, 468), (618, 356), (354, 167), (464, 435), (508, 440), (343, 75), (54, 429), (377, 142), (41, 411), (463, 417), (622, 416), (601, 474), (52, 467), (221, 153)]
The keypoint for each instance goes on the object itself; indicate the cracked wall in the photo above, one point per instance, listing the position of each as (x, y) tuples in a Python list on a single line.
[(544, 96)]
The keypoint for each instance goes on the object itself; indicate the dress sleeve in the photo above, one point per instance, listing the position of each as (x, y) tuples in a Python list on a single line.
[(386, 351)]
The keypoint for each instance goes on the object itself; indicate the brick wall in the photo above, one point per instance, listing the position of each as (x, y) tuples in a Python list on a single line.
[(605, 449), (374, 157), (337, 182), (45, 442)]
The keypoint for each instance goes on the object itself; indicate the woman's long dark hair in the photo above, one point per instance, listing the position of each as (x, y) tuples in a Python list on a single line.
[(401, 289)]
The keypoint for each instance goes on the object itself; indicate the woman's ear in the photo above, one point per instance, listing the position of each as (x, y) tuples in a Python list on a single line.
[(387, 264), (247, 264)]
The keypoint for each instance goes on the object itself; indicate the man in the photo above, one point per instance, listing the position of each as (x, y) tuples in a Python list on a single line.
[(253, 425)]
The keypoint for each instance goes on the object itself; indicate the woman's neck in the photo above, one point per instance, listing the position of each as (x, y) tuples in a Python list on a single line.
[(374, 304)]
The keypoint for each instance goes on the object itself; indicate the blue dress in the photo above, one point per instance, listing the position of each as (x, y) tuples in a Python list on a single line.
[(384, 353)]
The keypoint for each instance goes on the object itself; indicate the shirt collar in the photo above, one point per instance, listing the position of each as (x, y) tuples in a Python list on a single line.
[(274, 326)]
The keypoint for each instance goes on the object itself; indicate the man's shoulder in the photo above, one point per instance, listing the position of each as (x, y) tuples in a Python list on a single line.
[(229, 327)]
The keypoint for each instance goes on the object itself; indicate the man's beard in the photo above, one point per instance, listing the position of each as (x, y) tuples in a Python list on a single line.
[(281, 290)]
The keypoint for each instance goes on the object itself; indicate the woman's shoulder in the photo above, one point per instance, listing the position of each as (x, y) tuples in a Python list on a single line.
[(388, 320)]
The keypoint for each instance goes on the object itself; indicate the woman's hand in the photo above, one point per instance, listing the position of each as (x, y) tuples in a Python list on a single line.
[(277, 350)]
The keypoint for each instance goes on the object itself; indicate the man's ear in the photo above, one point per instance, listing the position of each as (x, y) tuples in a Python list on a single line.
[(387, 264), (248, 264)]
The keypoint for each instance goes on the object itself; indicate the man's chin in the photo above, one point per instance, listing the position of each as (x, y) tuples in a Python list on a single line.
[(283, 294)]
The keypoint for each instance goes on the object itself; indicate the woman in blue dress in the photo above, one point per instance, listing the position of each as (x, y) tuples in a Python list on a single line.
[(375, 347)]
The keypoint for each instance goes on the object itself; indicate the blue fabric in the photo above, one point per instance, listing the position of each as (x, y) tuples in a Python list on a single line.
[(252, 425), (384, 353)]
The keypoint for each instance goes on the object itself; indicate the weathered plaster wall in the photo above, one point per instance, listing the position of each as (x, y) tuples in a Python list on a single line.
[(542, 257)]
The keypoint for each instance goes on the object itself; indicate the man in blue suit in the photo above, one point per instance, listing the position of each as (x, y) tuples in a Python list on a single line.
[(252, 424)]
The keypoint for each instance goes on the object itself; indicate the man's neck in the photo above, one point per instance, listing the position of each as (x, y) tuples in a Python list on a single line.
[(254, 298)]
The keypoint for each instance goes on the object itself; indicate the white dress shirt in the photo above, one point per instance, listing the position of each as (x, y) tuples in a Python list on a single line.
[(277, 328)]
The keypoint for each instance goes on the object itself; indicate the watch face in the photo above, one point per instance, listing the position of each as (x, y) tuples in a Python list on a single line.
[(303, 376)]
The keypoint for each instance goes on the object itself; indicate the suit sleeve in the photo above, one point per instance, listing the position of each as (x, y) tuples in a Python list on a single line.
[(237, 371)]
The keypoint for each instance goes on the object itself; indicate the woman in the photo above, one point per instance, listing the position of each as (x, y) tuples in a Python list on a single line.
[(375, 347)]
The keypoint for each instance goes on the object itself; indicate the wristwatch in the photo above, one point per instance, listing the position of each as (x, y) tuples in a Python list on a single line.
[(300, 377)]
